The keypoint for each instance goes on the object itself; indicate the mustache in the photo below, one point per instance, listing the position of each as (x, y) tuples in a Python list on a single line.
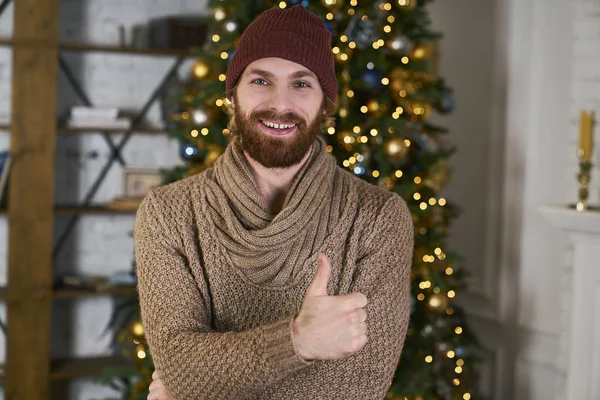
[(286, 118)]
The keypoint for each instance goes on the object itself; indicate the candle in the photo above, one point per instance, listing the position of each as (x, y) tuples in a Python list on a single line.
[(585, 136)]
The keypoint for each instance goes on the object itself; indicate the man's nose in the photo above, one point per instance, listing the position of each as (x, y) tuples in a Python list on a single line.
[(281, 100)]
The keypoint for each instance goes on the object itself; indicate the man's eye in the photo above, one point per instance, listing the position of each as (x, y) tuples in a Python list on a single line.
[(259, 81), (301, 84)]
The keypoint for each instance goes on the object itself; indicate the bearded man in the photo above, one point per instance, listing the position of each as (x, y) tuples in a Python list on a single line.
[(275, 274)]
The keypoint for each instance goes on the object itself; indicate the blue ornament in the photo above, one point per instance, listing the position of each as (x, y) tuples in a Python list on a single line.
[(460, 351), (446, 105), (372, 78), (305, 3), (329, 26)]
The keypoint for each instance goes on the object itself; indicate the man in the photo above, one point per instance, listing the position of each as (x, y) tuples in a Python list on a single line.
[(275, 274)]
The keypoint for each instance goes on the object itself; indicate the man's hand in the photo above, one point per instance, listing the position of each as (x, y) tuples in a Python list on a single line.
[(158, 391), (329, 327)]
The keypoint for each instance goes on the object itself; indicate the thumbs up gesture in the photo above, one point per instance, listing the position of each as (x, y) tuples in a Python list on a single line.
[(329, 327)]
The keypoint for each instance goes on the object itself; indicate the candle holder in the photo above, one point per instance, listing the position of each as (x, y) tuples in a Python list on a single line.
[(583, 177)]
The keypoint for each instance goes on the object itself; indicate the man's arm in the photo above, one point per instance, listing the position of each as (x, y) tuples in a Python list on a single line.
[(194, 361), (383, 276)]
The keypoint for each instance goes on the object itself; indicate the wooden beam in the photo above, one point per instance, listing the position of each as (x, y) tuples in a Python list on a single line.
[(31, 198)]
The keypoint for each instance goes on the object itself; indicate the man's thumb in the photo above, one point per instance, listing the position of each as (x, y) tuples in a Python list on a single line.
[(318, 287)]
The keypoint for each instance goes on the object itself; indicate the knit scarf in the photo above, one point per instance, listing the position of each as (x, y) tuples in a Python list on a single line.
[(270, 251)]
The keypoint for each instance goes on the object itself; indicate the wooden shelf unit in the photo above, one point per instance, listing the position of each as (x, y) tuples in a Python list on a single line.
[(29, 372)]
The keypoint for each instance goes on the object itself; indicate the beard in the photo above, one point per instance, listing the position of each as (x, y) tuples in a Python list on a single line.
[(272, 151)]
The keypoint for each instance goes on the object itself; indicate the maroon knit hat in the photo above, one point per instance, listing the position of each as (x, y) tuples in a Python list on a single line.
[(294, 34)]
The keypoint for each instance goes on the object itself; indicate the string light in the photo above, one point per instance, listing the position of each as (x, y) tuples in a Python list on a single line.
[(451, 294), (458, 370), (352, 45), (350, 93), (404, 60), (456, 382), (336, 50), (449, 271), (423, 206), (420, 297), (194, 133), (282, 4), (458, 330), (224, 55), (219, 102), (364, 109), (204, 131), (450, 311), (329, 16), (432, 201), (385, 81), (353, 3), (460, 362), (375, 174), (442, 202), (391, 19), (331, 130), (329, 149), (374, 132), (450, 354), (216, 38), (343, 38), (356, 129), (398, 174), (417, 196), (467, 396), (387, 29), (417, 180), (351, 11), (219, 14), (428, 359)]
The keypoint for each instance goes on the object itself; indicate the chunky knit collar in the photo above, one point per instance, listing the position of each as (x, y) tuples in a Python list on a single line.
[(270, 251)]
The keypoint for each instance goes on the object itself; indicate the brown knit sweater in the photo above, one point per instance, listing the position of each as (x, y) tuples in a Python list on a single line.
[(221, 280)]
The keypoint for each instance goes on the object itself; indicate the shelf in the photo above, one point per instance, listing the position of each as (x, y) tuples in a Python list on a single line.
[(83, 367), (80, 293), (83, 47), (69, 130), (78, 367)]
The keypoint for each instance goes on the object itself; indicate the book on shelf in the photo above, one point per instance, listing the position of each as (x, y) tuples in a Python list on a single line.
[(83, 113), (5, 164), (97, 117), (118, 123)]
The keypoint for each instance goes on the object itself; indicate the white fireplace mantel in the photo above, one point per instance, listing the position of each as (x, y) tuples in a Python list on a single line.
[(583, 353)]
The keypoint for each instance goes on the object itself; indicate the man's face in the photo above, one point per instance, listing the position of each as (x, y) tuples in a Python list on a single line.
[(278, 111)]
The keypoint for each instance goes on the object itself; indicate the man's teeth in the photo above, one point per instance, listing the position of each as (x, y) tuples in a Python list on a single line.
[(277, 126)]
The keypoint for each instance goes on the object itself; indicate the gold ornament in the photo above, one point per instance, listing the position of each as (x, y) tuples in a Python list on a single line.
[(439, 174), (406, 5), (137, 331), (418, 111), (437, 303), (420, 52), (396, 148), (200, 69)]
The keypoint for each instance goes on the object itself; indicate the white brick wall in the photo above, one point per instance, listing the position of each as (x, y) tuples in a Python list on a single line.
[(99, 244)]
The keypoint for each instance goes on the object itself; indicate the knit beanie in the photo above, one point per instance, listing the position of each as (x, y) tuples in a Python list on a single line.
[(294, 34)]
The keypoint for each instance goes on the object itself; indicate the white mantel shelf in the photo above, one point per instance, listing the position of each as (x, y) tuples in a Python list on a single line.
[(573, 221), (583, 331)]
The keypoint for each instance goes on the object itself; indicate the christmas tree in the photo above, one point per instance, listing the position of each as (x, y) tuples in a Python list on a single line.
[(385, 54)]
